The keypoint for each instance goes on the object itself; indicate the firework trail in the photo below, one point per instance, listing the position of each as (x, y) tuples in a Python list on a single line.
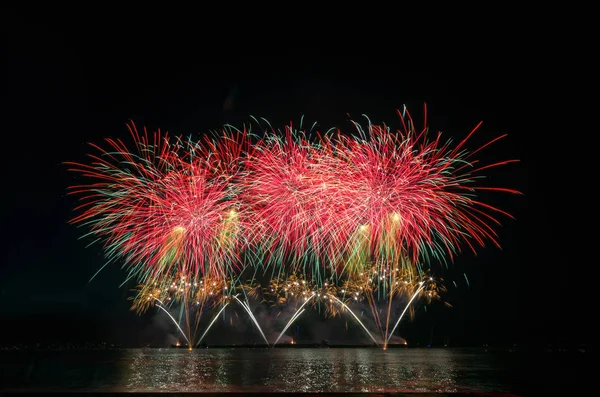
[(356, 318), (402, 315), (246, 307), (294, 317), (174, 321), (211, 323)]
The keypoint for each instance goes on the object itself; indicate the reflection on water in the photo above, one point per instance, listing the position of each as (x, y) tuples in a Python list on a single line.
[(261, 370)]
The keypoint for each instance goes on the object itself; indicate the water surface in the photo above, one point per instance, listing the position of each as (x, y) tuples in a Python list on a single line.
[(278, 370)]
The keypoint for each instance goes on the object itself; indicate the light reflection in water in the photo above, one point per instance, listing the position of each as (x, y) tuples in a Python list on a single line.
[(267, 370), (298, 370)]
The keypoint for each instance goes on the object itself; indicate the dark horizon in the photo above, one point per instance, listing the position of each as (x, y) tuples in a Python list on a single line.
[(71, 83)]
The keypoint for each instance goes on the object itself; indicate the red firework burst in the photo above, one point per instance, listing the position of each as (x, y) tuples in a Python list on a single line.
[(164, 209)]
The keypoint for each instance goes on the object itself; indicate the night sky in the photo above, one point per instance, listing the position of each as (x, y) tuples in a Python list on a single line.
[(76, 81)]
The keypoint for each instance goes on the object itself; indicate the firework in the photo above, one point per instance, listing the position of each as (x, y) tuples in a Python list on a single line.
[(191, 298), (163, 209), (201, 293), (297, 290), (337, 219), (368, 286), (340, 204), (289, 193), (407, 196)]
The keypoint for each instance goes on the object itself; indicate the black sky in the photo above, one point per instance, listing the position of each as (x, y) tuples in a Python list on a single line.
[(74, 80)]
